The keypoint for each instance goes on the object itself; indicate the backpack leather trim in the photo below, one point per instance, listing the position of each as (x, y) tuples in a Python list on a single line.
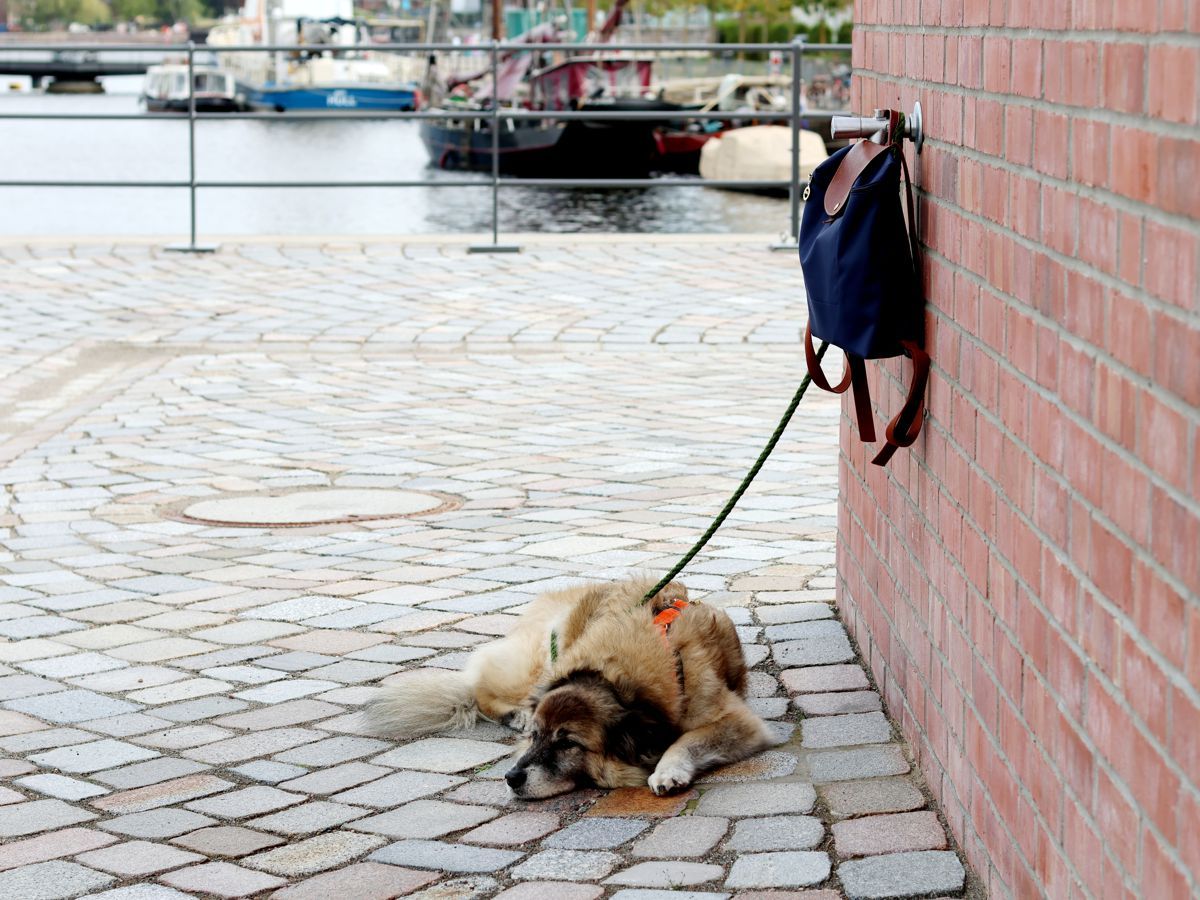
[(852, 165)]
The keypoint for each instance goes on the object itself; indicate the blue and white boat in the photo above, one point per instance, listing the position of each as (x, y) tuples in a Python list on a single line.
[(318, 75)]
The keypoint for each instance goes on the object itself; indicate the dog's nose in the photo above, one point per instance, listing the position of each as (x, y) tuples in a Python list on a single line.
[(515, 778)]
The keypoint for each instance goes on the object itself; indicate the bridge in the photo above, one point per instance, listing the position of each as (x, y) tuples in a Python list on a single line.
[(43, 56)]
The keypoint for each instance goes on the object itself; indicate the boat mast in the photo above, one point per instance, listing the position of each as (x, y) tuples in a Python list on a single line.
[(497, 21)]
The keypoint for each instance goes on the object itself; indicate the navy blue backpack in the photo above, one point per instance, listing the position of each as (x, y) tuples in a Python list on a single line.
[(862, 277)]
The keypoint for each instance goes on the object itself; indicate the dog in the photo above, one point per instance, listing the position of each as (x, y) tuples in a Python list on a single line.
[(609, 691)]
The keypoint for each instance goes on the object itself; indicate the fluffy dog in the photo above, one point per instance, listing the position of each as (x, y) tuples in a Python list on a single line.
[(624, 702)]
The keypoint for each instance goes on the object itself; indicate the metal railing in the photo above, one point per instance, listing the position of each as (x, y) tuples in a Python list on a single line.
[(796, 50)]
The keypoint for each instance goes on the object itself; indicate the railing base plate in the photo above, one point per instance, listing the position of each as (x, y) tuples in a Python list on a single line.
[(192, 248), (493, 248)]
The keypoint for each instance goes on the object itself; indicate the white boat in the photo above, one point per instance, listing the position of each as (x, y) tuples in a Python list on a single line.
[(759, 153), (166, 88), (319, 74)]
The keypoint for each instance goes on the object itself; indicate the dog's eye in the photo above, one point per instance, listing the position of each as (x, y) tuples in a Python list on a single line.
[(566, 742)]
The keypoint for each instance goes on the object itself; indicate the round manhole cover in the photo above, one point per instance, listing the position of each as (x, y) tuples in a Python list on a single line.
[(314, 507)]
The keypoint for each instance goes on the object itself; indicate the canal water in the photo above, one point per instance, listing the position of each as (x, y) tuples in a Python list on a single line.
[(258, 150)]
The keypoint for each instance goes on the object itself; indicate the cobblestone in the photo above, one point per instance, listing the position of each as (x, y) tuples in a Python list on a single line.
[(757, 799), (667, 874), (777, 833), (685, 836), (160, 678), (51, 881), (787, 869), (889, 834), (902, 874)]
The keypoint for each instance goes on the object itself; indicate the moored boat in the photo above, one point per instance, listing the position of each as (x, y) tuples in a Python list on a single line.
[(165, 89), (760, 153), (323, 73)]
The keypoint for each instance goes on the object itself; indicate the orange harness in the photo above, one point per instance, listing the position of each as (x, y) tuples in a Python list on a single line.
[(664, 619)]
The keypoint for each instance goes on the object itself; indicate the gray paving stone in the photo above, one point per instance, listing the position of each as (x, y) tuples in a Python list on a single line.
[(805, 630), (398, 788), (71, 706), (846, 731), (446, 857), (443, 755), (157, 823), (464, 887), (268, 771), (567, 865), (902, 874), (248, 746), (814, 651), (337, 778), (426, 819), (60, 786), (316, 854), (137, 858), (838, 704), (667, 874), (682, 836), (848, 799), (792, 612), (256, 800), (777, 833), (331, 751), (654, 894), (817, 679), (141, 774), (33, 816), (51, 881), (596, 834), (757, 799), (92, 757), (860, 762), (798, 868), (308, 818)]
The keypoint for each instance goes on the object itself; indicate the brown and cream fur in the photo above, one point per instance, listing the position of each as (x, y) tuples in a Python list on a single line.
[(620, 707)]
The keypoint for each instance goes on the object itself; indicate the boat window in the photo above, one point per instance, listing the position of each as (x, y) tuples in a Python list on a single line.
[(179, 83)]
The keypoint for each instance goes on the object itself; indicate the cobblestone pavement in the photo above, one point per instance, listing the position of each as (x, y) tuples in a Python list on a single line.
[(179, 701)]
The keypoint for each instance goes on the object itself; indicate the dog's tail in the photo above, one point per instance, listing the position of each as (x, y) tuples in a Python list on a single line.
[(425, 701)]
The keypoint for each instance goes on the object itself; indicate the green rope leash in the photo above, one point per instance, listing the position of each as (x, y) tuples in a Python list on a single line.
[(737, 495)]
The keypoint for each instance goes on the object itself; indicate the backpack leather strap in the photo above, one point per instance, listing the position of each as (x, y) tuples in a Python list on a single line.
[(854, 375), (903, 430)]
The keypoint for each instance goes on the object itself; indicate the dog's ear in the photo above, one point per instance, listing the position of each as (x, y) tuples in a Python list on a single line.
[(640, 734)]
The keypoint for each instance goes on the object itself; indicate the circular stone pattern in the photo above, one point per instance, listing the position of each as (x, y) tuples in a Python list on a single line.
[(314, 507)]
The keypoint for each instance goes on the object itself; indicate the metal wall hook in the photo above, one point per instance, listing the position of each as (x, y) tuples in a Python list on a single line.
[(875, 127)]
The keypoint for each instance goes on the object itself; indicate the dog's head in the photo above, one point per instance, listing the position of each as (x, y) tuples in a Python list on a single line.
[(585, 733)]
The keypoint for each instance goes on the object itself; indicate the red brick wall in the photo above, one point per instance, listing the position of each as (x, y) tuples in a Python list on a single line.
[(1025, 580)]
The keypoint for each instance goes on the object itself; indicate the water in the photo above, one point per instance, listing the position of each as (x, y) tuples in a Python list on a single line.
[(231, 150)]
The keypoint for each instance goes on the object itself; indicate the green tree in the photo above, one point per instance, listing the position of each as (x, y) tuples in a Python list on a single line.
[(45, 13), (128, 10)]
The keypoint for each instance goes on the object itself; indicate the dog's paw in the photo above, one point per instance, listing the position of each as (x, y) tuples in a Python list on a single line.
[(670, 778), (520, 719)]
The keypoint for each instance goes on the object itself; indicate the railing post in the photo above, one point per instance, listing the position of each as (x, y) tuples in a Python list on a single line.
[(495, 246), (792, 239), (191, 246)]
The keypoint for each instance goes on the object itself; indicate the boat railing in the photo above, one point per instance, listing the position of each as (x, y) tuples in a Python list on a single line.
[(795, 52)]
